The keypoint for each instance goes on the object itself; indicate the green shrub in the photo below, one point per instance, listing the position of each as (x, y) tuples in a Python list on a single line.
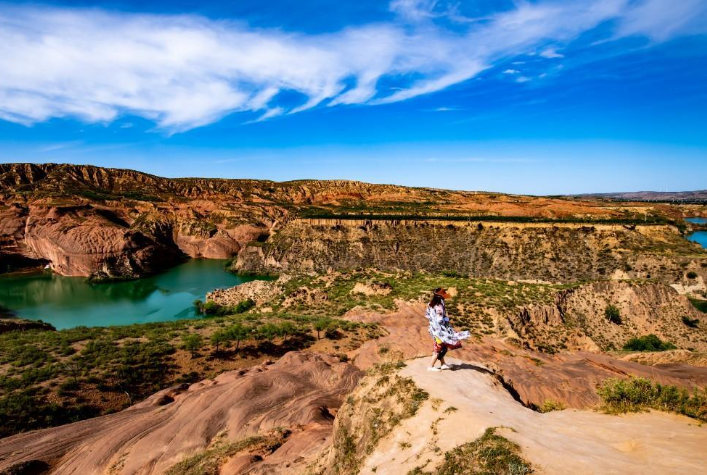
[(638, 394), (212, 309), (268, 331), (648, 343), (70, 385), (322, 324), (192, 342), (27, 410), (691, 322), (692, 275), (219, 338), (700, 305), (613, 314), (243, 306)]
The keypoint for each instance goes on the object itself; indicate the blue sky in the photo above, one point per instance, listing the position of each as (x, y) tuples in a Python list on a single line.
[(539, 97)]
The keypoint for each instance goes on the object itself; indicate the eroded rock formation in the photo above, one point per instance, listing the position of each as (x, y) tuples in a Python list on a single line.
[(86, 220), (578, 316), (568, 377), (299, 393), (463, 403), (557, 252)]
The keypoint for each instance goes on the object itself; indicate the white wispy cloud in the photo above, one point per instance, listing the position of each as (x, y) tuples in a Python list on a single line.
[(522, 79), (60, 146), (511, 71), (551, 53), (183, 72), (661, 20)]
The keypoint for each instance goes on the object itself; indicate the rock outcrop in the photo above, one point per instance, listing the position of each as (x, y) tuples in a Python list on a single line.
[(578, 315), (568, 377), (259, 291), (461, 404), (86, 220), (19, 324), (558, 252), (300, 394), (105, 223)]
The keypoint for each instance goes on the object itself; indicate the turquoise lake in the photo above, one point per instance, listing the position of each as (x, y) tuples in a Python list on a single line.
[(67, 302), (699, 237)]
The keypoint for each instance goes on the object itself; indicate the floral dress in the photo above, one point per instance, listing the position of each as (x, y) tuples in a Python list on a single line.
[(441, 331)]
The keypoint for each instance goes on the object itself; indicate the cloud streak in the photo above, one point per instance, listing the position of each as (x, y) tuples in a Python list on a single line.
[(183, 72)]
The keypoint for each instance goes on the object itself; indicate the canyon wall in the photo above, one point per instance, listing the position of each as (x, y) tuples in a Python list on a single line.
[(577, 319), (556, 252), (110, 240), (111, 223)]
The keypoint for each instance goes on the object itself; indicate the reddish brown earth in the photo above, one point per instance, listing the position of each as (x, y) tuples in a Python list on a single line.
[(533, 377), (86, 220), (300, 392)]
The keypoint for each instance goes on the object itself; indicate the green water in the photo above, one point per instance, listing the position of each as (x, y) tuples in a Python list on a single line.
[(67, 302)]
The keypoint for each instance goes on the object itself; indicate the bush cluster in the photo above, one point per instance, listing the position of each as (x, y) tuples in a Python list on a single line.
[(648, 343), (638, 394), (212, 309), (613, 314), (691, 322)]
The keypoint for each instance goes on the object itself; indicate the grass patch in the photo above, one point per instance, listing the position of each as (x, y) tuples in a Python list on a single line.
[(490, 454), (334, 296), (639, 394), (549, 405)]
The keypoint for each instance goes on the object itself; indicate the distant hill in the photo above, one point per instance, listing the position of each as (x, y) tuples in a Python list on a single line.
[(82, 220), (699, 196)]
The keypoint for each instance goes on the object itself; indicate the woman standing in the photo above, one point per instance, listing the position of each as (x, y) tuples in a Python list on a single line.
[(443, 335)]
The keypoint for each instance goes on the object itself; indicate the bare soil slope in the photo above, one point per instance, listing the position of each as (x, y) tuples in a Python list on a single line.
[(299, 393)]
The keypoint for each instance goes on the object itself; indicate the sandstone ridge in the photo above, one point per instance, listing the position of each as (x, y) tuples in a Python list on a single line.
[(111, 223)]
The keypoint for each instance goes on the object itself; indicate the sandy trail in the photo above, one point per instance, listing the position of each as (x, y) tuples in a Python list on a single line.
[(569, 441)]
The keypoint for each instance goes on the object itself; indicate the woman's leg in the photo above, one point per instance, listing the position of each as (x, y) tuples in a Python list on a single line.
[(436, 349), (440, 355), (434, 359)]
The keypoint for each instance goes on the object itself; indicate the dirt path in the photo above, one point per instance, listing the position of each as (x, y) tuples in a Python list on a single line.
[(561, 442)]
